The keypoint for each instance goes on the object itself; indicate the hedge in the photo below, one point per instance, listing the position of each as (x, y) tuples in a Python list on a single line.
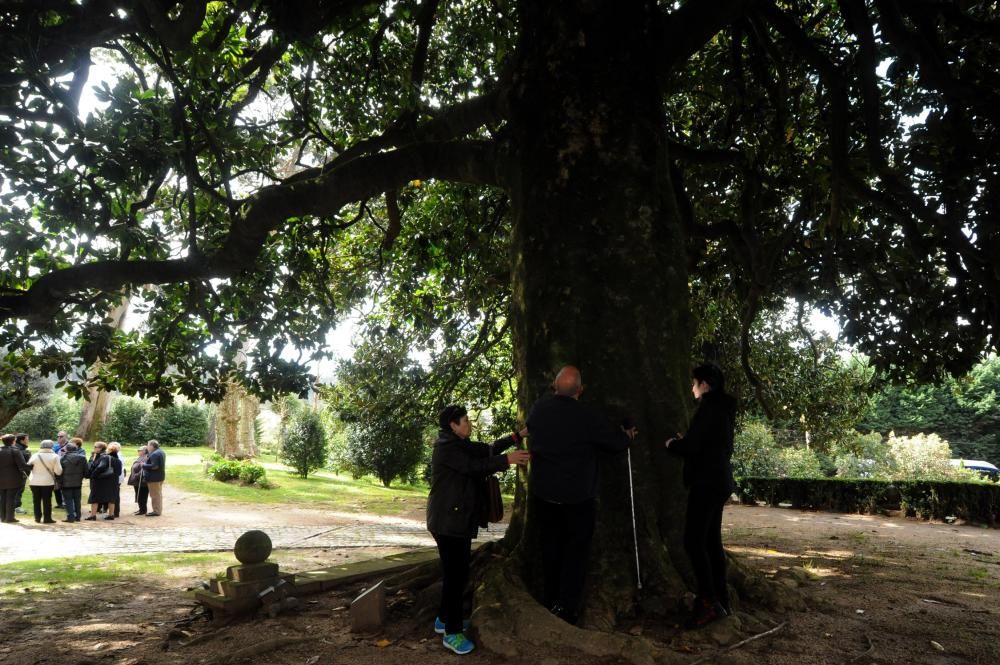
[(928, 499)]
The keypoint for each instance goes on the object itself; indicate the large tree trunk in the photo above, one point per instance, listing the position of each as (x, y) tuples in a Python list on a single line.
[(234, 423), (599, 276), (95, 408)]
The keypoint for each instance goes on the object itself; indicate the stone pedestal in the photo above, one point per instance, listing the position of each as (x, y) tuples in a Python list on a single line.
[(249, 586)]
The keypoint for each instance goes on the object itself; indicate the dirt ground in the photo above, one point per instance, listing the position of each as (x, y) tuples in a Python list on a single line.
[(877, 590)]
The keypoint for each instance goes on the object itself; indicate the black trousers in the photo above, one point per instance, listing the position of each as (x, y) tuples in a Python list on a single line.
[(41, 498), (703, 542), (567, 529), (7, 499), (142, 497), (456, 554)]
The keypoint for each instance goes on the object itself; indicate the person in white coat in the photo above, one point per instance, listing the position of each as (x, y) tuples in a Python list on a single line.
[(45, 468)]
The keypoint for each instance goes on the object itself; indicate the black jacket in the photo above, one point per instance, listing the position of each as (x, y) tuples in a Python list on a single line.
[(458, 471), (23, 449), (565, 438), (12, 468), (74, 469), (707, 448)]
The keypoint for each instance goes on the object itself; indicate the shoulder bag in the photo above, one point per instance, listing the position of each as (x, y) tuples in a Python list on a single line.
[(56, 483)]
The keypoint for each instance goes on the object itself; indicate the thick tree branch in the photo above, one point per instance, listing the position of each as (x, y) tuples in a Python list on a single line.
[(686, 30), (175, 34), (452, 122), (425, 25), (323, 194)]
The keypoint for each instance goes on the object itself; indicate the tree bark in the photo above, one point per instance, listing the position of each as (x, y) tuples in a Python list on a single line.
[(95, 408), (234, 423), (599, 276)]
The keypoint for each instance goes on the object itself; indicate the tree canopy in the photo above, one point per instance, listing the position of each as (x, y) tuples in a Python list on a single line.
[(255, 169)]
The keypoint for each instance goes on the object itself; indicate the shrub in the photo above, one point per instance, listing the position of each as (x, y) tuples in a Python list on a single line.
[(251, 472), (921, 456), (387, 449), (125, 421), (183, 425), (800, 463), (39, 422), (245, 471), (303, 444), (862, 456), (176, 425), (44, 420), (754, 451)]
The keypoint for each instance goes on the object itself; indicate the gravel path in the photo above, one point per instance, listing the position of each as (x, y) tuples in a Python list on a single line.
[(193, 523)]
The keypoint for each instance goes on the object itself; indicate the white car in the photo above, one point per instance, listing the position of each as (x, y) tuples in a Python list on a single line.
[(984, 468)]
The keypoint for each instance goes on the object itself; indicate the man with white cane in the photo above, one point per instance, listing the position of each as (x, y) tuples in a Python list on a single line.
[(135, 479), (565, 436)]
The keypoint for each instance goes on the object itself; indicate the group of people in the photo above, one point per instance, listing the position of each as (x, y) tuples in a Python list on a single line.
[(59, 468), (566, 437)]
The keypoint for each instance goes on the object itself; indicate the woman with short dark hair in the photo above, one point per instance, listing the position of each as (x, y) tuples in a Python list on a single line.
[(707, 449), (103, 473), (459, 468)]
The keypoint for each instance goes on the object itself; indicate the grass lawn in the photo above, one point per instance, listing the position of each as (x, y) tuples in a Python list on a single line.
[(25, 582), (45, 575), (186, 470)]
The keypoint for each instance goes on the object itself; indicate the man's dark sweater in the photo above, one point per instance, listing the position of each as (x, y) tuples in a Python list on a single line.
[(565, 436)]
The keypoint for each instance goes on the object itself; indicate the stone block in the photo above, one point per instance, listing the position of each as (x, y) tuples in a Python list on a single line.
[(233, 589), (228, 606), (252, 572), (368, 609)]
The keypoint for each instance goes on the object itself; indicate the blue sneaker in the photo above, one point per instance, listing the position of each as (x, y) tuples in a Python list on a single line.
[(439, 626), (458, 643)]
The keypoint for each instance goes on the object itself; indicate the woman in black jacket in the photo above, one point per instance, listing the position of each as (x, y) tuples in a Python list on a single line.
[(458, 469), (707, 450), (103, 472)]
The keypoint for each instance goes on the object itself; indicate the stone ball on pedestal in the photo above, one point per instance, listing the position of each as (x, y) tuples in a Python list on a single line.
[(252, 547)]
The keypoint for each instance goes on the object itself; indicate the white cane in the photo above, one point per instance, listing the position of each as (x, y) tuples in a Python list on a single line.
[(138, 492), (635, 533)]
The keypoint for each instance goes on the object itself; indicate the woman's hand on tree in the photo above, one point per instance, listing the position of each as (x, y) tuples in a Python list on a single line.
[(519, 457)]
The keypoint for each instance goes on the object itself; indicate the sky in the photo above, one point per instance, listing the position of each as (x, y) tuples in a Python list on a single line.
[(339, 341)]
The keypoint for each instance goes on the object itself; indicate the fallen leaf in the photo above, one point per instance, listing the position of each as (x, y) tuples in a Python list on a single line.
[(937, 646), (312, 660), (859, 611), (381, 644)]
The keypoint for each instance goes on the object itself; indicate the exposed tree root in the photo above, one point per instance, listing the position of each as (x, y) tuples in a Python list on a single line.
[(511, 623), (418, 577), (750, 585)]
